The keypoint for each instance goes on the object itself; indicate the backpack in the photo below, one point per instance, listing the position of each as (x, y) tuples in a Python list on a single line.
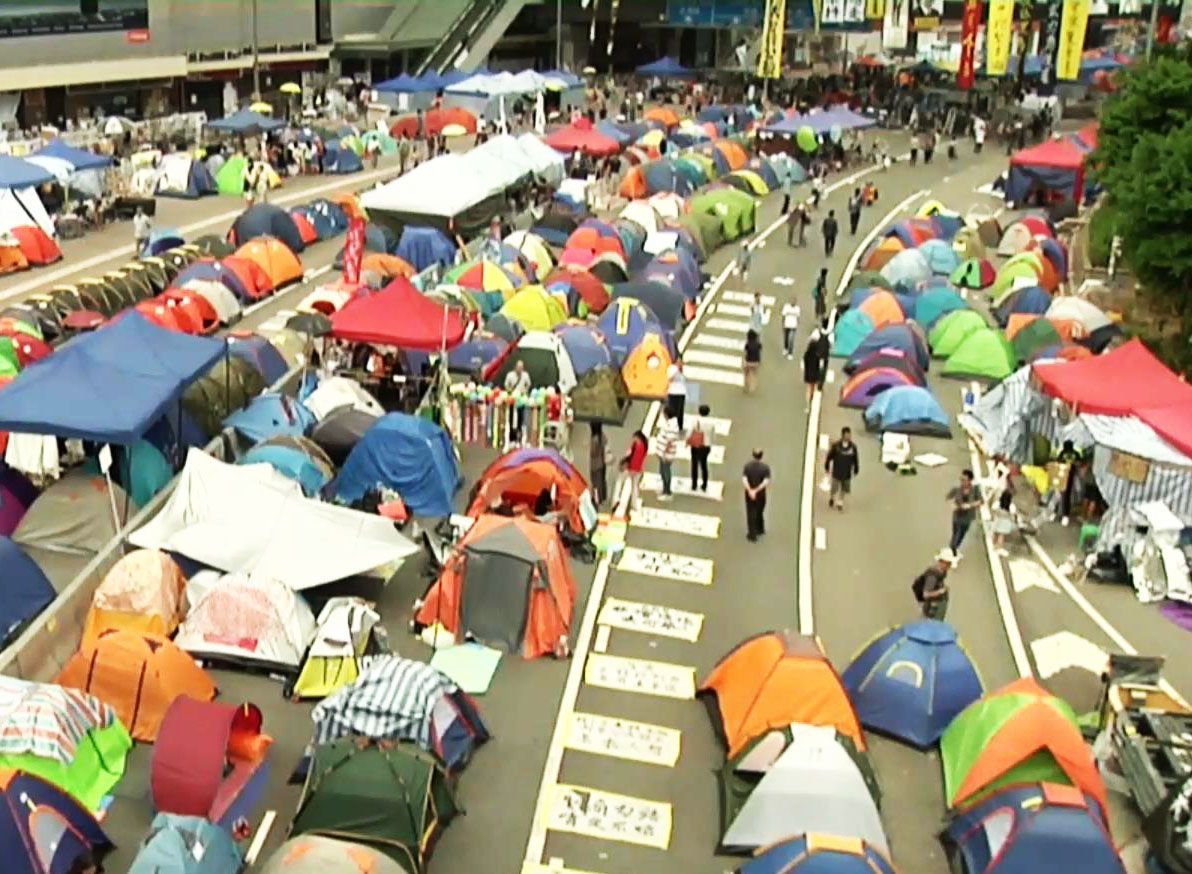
[(918, 586), (697, 439)]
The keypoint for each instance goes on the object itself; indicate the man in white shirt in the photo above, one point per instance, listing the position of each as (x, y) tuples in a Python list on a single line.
[(978, 134), (667, 442), (676, 392), (518, 381), (790, 326), (757, 314)]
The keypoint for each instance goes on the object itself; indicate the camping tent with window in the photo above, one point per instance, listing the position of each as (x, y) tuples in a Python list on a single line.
[(142, 592), (42, 829), (851, 329), (275, 259), (669, 305), (181, 175), (186, 845), (1054, 168), (830, 854), (520, 476), (507, 584), (908, 409), (296, 460), (545, 358), (26, 591), (341, 643), (935, 303), (626, 324)]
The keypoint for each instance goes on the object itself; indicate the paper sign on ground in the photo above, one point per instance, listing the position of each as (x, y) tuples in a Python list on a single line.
[(651, 619), (1026, 574), (768, 300), (667, 566), (1062, 650), (624, 739), (610, 817), (640, 676), (681, 485), (657, 519)]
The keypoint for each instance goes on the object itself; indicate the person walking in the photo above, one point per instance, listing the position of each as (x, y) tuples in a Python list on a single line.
[(753, 360), (817, 189), (854, 211), (930, 588), (819, 294), (914, 149), (978, 135), (697, 442), (796, 219), (676, 391), (142, 227), (757, 313), (668, 448), (929, 140), (744, 261), (966, 500), (788, 186), (633, 464), (755, 479), (830, 229), (790, 326), (813, 375), (598, 462), (842, 464)]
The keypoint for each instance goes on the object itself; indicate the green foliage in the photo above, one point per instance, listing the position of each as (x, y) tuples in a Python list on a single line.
[(1102, 227)]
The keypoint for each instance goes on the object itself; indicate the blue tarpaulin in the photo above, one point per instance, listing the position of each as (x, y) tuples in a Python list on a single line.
[(15, 173), (80, 159), (25, 593), (665, 66), (110, 385), (408, 454), (246, 122), (403, 84)]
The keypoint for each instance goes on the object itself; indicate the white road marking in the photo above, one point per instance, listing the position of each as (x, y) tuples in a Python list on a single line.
[(728, 325), (821, 538), (681, 485), (603, 633), (624, 739), (608, 816), (715, 455), (740, 311), (640, 676), (657, 519), (554, 866), (1063, 650), (720, 359), (651, 619), (825, 442), (667, 566), (768, 300), (710, 374), (716, 341), (1026, 574)]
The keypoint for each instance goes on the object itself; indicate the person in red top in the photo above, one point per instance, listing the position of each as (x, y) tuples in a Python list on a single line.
[(633, 463)]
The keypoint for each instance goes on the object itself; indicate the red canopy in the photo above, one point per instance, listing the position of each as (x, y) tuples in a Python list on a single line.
[(1061, 153), (581, 136), (1088, 134), (1129, 381), (399, 315)]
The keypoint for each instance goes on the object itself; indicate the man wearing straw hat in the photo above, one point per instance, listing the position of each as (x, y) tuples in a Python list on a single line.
[(931, 588)]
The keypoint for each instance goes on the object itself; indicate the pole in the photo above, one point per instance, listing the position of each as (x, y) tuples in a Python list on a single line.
[(1150, 33), (558, 34), (256, 56)]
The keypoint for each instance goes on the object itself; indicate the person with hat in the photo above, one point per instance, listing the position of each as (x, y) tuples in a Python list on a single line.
[(931, 587)]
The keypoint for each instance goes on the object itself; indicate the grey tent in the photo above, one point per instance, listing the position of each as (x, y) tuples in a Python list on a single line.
[(601, 396), (814, 787), (341, 431), (315, 854)]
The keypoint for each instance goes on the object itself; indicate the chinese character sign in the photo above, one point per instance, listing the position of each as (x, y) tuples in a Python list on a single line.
[(966, 73), (997, 37), (1071, 43), (1051, 42), (769, 59), (354, 250)]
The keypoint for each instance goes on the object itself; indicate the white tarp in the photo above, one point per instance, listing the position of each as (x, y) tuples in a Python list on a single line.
[(548, 164), (505, 149), (21, 207), (173, 174), (443, 186), (250, 519)]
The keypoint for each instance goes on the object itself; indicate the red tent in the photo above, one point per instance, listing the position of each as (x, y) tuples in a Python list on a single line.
[(581, 136), (1129, 381), (1055, 167), (399, 315)]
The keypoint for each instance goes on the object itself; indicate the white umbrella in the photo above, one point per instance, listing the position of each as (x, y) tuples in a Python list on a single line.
[(116, 125)]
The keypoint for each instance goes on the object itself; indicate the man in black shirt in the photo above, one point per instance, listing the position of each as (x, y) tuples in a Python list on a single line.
[(842, 464), (830, 229), (756, 480), (930, 588), (854, 211)]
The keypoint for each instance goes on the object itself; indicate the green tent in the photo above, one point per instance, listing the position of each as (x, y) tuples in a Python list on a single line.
[(984, 354), (10, 364), (706, 230), (225, 388), (353, 143), (231, 176), (735, 209), (869, 279), (387, 143), (394, 799), (949, 332), (705, 163), (96, 768), (1003, 286), (601, 396), (973, 273), (1036, 335)]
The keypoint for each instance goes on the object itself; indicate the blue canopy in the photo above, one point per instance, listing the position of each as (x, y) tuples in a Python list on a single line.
[(613, 132), (15, 173), (908, 409), (665, 66), (25, 593), (80, 159), (272, 415), (291, 463), (421, 247), (408, 454), (403, 84), (246, 122), (910, 682), (108, 386)]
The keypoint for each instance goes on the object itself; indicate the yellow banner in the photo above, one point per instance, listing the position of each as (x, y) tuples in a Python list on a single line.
[(1072, 28), (769, 57), (997, 37), (875, 10)]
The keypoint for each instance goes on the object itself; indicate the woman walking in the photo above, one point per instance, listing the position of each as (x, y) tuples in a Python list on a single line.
[(633, 464), (753, 360), (813, 373)]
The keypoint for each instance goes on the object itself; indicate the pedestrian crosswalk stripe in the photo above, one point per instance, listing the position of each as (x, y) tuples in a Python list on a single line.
[(640, 676), (651, 619), (610, 817), (768, 300), (716, 342), (681, 485), (736, 309), (720, 359), (624, 739), (715, 454), (710, 374), (719, 427), (727, 325), (821, 538), (657, 519), (667, 566), (555, 866)]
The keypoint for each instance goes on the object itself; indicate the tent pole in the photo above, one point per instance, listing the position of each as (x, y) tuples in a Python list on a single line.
[(227, 378)]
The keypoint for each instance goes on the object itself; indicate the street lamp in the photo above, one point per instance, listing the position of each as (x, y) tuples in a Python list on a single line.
[(256, 56)]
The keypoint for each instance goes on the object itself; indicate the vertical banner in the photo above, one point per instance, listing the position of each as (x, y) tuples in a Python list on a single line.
[(354, 251), (1050, 42), (1026, 20), (896, 25), (769, 56), (875, 10), (966, 73), (997, 37), (1076, 19)]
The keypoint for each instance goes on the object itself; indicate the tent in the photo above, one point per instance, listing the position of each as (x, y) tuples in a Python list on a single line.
[(401, 316), (952, 330), (882, 307), (811, 854), (231, 178), (935, 303), (25, 593), (341, 430), (1019, 733), (908, 409), (647, 364), (303, 465), (1054, 168), (664, 68), (545, 357), (507, 584), (669, 305), (911, 681), (316, 854), (186, 845), (406, 700), (907, 268), (246, 122), (907, 337), (342, 641), (180, 175), (773, 680), (275, 259), (585, 346), (1056, 255), (581, 136), (17, 494), (271, 415), (882, 253), (423, 246), (339, 392), (534, 309), (580, 287), (974, 273), (865, 385), (141, 592), (518, 478), (1078, 310), (339, 159), (394, 798), (267, 220), (409, 454), (240, 277), (851, 330), (211, 399), (139, 674), (1037, 335), (601, 395), (260, 353), (67, 738), (42, 829), (941, 257), (735, 210), (813, 786), (984, 354), (1033, 827)]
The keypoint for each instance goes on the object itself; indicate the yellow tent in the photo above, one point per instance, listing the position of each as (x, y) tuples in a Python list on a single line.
[(756, 183), (645, 368), (534, 248), (534, 309)]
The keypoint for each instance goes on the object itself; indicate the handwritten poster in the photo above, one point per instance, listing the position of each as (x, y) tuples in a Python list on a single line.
[(651, 619), (624, 739), (611, 817), (640, 676), (998, 36), (694, 524), (667, 565)]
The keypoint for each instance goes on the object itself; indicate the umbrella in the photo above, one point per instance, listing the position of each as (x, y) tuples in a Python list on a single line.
[(345, 80), (589, 71), (290, 88), (261, 106), (116, 125), (311, 324)]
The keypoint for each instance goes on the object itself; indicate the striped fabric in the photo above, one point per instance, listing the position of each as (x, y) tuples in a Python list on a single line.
[(393, 698), (47, 721), (1167, 483)]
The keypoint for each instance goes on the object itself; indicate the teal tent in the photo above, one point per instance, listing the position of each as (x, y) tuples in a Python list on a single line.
[(853, 327)]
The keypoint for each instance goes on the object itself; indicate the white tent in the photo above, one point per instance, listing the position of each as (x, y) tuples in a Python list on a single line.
[(21, 207), (251, 519), (548, 164), (444, 186), (506, 149), (338, 393), (225, 304)]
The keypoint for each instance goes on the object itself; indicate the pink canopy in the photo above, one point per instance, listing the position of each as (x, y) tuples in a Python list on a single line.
[(581, 136)]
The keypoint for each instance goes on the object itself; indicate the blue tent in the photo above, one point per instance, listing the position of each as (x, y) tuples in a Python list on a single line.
[(338, 160), (1032, 300), (328, 213), (25, 593), (213, 271), (662, 176), (15, 173), (807, 854), (941, 257), (673, 274), (1054, 253), (421, 247), (625, 323), (43, 830), (908, 409), (910, 682), (766, 171), (160, 241), (408, 454), (475, 353), (613, 132), (585, 347), (933, 304), (170, 848), (902, 337), (272, 415), (403, 84), (1030, 828), (947, 226), (268, 220), (80, 159), (851, 330), (108, 386), (261, 354), (666, 303), (246, 123), (664, 67), (291, 463)]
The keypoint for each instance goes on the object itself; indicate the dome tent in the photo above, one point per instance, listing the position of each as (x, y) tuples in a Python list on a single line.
[(409, 454), (908, 409), (984, 354)]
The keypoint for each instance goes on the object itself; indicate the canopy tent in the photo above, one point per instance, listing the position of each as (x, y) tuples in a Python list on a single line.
[(253, 520), (246, 123), (665, 67), (401, 316), (17, 173), (581, 136), (79, 159), (1054, 167), (908, 409), (449, 186)]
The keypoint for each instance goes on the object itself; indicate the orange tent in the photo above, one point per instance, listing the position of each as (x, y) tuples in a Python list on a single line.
[(251, 275), (773, 680), (350, 204), (434, 121), (275, 258), (663, 115), (517, 478), (197, 308), (633, 185), (164, 316), (1048, 278), (142, 592), (736, 156), (1066, 328), (881, 254), (882, 307), (646, 365), (36, 245), (508, 583), (387, 266), (139, 675), (589, 238), (305, 229), (12, 259)]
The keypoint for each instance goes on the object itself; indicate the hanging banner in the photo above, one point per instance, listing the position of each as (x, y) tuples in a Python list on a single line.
[(354, 250), (926, 14), (966, 73), (875, 10), (769, 56), (1071, 43), (997, 37), (840, 12), (896, 25), (1026, 20), (1050, 42)]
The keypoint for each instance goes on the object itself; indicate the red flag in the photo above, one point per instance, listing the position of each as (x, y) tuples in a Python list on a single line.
[(966, 73), (354, 251)]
